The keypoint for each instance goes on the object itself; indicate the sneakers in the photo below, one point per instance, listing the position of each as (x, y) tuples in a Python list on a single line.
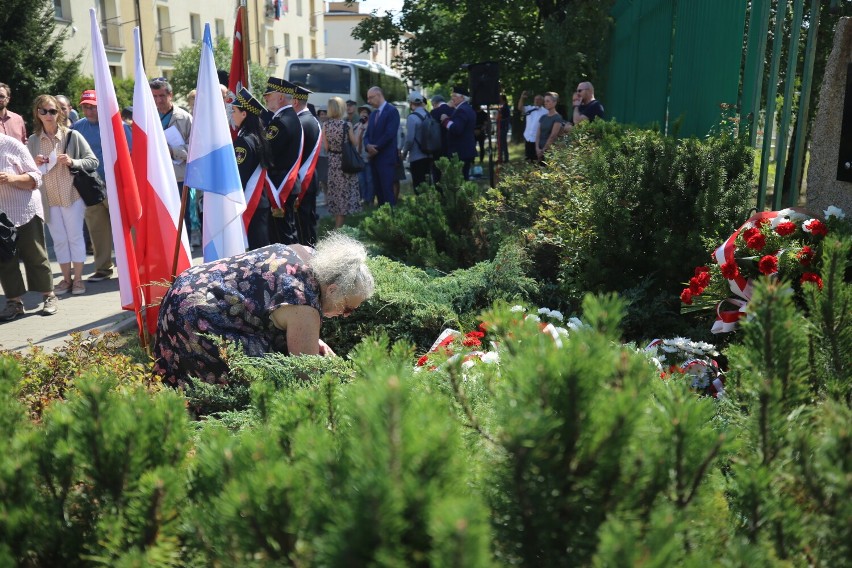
[(99, 276), (79, 287), (62, 288), (50, 305), (13, 309)]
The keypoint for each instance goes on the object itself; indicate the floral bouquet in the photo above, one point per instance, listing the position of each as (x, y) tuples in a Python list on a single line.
[(682, 358), (784, 243)]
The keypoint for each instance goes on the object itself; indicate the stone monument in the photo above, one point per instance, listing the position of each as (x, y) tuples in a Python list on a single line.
[(824, 187)]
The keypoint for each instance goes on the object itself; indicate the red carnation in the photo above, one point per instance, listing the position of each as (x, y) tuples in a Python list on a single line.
[(761, 222), (686, 297), (422, 361), (749, 233), (730, 270), (471, 342), (812, 277), (695, 286), (483, 327), (704, 279), (785, 228), (816, 227), (768, 264), (805, 256), (756, 242), (699, 270)]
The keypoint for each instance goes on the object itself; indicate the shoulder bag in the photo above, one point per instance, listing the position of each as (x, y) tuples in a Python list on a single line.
[(352, 162), (8, 238), (89, 185)]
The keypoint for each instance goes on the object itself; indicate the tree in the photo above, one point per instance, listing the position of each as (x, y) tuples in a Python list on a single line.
[(34, 61), (188, 59)]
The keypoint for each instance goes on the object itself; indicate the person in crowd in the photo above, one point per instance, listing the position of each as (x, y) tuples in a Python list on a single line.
[(306, 212), (190, 101), (174, 116), (286, 139), (283, 292), (481, 131), (365, 176), (419, 162), (532, 114), (57, 149), (549, 125), (381, 144), (322, 162), (127, 115), (504, 121), (97, 216), (460, 138), (252, 152), (20, 200), (11, 123), (351, 112), (589, 108), (342, 197), (440, 108), (65, 105)]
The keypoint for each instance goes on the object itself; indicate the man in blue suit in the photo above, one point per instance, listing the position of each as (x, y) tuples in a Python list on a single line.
[(460, 138), (380, 142)]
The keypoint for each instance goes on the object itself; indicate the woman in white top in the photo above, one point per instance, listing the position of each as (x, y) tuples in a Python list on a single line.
[(54, 146)]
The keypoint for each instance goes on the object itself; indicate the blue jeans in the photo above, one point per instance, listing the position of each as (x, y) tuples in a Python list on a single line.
[(365, 181)]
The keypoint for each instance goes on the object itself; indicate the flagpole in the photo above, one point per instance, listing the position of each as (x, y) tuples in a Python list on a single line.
[(183, 195)]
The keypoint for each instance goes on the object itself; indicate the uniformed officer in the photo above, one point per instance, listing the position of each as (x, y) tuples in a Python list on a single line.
[(253, 159), (306, 212), (284, 134)]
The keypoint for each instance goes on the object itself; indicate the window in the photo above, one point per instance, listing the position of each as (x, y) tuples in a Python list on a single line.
[(58, 11), (322, 77), (164, 32), (299, 8), (220, 28), (301, 48), (286, 45), (195, 27)]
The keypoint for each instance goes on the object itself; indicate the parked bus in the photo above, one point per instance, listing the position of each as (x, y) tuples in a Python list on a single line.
[(348, 79)]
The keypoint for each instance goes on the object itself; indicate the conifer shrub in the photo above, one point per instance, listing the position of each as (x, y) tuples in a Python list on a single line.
[(623, 210), (48, 376), (433, 229)]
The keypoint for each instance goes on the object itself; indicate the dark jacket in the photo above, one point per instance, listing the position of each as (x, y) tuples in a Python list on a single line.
[(460, 139), (284, 134)]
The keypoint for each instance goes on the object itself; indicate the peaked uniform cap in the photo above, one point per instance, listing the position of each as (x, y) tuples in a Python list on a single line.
[(247, 102), (302, 93), (276, 85)]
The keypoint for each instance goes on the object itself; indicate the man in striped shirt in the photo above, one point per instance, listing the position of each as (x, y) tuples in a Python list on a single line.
[(20, 200)]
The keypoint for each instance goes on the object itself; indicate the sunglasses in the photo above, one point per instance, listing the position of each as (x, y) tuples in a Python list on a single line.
[(50, 111)]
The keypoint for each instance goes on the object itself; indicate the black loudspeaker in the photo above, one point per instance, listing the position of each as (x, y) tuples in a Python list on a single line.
[(484, 83)]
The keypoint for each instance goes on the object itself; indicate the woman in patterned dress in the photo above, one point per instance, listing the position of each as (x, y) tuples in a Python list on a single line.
[(343, 195), (268, 300)]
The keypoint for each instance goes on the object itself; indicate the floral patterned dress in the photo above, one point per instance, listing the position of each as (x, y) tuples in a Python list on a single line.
[(232, 299), (342, 195)]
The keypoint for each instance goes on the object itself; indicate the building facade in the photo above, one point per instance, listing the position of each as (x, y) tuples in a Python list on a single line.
[(340, 20), (276, 30)]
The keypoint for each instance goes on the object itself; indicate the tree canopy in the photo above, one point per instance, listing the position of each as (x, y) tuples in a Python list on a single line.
[(536, 42), (188, 60), (34, 61)]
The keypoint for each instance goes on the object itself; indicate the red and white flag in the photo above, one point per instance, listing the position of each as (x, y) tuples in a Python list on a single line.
[(238, 76), (157, 237), (125, 208)]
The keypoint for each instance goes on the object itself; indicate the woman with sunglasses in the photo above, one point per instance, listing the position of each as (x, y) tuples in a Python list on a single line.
[(267, 300), (56, 149)]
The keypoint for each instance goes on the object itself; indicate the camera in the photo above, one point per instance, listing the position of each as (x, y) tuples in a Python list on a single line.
[(363, 120)]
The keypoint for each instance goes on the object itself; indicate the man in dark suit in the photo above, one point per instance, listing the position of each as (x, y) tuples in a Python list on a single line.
[(460, 138), (440, 107), (284, 133), (306, 211), (380, 142)]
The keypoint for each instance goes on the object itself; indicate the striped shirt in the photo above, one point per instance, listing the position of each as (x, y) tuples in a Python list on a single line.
[(58, 182), (20, 205)]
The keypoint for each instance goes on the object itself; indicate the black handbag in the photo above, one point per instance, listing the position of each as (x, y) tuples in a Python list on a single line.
[(352, 162), (89, 185), (8, 238)]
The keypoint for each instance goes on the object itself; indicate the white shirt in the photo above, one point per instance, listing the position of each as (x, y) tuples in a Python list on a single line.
[(20, 205), (533, 114)]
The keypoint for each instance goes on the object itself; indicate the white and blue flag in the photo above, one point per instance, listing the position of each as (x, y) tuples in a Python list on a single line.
[(212, 165)]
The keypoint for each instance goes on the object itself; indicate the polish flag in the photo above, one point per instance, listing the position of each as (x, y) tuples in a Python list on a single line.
[(157, 236), (238, 76), (125, 209), (212, 165)]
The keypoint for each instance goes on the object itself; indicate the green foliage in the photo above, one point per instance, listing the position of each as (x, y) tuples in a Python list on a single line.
[(623, 210), (412, 305), (123, 90), (431, 229), (188, 59), (33, 62), (49, 376)]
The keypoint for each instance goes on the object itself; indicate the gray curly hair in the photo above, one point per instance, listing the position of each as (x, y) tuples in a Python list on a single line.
[(341, 260)]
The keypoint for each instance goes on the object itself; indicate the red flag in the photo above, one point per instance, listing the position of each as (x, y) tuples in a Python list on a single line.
[(124, 205), (155, 178), (238, 76)]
